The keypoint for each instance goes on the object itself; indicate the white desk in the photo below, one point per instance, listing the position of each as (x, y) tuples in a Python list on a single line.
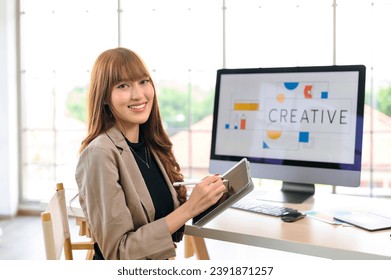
[(307, 236)]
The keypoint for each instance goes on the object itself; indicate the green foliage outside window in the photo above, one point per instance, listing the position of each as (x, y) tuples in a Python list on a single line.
[(180, 109), (384, 101), (76, 103)]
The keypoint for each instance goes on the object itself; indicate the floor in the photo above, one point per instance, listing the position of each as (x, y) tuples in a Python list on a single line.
[(21, 239)]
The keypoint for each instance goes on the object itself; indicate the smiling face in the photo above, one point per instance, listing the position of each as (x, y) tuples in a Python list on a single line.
[(132, 104)]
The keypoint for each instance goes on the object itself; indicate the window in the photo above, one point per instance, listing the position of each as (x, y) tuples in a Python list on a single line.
[(365, 42), (184, 43), (59, 43)]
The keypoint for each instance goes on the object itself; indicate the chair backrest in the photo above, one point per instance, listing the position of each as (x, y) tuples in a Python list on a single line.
[(55, 228)]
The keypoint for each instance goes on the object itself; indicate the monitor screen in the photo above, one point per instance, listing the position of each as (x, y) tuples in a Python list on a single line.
[(300, 125)]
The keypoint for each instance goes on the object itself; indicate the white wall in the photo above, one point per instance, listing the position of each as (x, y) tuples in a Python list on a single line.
[(8, 110)]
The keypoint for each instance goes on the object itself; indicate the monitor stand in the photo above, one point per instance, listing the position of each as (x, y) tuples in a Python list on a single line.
[(292, 193)]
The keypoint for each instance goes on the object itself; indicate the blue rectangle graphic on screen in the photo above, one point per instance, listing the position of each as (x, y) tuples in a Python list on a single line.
[(304, 137)]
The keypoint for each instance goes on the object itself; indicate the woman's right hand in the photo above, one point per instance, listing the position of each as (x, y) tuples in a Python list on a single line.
[(205, 194)]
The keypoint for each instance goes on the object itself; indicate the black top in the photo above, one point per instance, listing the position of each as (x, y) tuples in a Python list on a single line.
[(153, 177)]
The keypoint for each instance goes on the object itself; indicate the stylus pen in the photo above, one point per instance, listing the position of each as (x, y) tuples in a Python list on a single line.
[(190, 182)]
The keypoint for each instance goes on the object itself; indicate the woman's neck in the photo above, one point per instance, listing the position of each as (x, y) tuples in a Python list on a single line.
[(130, 132)]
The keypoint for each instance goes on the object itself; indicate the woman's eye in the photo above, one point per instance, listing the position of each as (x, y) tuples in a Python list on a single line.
[(145, 81), (122, 86)]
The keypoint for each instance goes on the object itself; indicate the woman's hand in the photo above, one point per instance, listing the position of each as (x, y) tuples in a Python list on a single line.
[(205, 194)]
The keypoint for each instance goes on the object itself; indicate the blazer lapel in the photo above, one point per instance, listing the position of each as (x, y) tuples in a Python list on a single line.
[(133, 170)]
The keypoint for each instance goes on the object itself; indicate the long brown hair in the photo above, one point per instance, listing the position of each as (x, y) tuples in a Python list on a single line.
[(111, 67)]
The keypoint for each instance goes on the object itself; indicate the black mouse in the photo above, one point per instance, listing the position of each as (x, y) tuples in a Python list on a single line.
[(292, 216)]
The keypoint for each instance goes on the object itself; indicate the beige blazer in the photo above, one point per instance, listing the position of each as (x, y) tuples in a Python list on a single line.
[(117, 204)]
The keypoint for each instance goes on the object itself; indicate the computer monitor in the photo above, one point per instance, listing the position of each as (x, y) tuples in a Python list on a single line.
[(300, 125)]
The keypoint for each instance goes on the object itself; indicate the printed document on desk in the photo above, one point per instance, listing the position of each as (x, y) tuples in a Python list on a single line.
[(367, 221)]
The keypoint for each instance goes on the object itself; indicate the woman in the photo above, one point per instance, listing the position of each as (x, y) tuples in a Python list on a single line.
[(126, 166)]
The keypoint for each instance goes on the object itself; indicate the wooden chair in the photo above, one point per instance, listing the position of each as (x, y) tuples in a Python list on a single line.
[(195, 246), (56, 231)]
